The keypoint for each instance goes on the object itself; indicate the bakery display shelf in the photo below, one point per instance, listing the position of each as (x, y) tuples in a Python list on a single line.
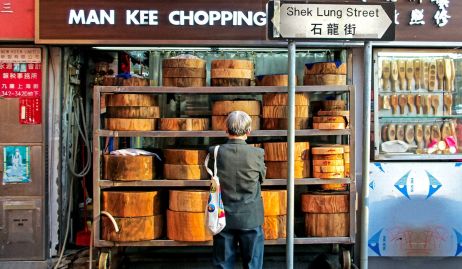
[(257, 133)]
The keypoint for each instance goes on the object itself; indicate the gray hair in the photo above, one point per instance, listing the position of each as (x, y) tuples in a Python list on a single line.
[(238, 123)]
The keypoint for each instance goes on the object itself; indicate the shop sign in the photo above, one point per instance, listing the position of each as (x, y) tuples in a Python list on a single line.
[(17, 19), (331, 21)]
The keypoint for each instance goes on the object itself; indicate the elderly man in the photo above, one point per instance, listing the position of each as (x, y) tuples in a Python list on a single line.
[(241, 170)]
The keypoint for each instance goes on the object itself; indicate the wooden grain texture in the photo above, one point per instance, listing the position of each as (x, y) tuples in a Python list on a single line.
[(223, 108), (329, 175), (324, 80), (186, 63), (328, 162), (283, 112), (232, 64), (329, 119), (327, 150), (279, 169), (274, 227), (230, 82), (328, 169), (326, 68), (184, 124), (219, 123), (334, 187), (141, 112), (281, 124), (231, 73), (183, 82), (128, 168), (183, 72), (277, 151), (344, 113), (329, 126), (123, 124), (274, 202), (282, 99), (272, 80), (131, 99), (333, 104), (131, 203), (187, 226), (188, 200), (184, 172), (134, 82), (325, 203), (327, 225), (132, 229), (329, 157), (184, 156)]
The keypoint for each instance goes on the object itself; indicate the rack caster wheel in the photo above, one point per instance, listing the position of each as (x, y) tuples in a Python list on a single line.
[(345, 259), (103, 262)]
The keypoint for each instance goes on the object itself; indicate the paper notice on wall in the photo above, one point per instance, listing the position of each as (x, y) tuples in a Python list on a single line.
[(30, 110), (16, 164)]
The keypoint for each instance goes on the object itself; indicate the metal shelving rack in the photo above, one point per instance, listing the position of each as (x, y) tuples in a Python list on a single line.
[(99, 184)]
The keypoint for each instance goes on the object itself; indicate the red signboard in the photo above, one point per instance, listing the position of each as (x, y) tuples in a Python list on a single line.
[(20, 80), (30, 110), (17, 19)]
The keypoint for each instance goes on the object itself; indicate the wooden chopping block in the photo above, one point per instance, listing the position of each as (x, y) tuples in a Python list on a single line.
[(223, 108), (328, 119), (394, 103), (187, 226), (328, 169), (417, 73), (333, 105), (409, 133), (334, 187), (409, 73), (384, 133), (447, 100), (281, 124), (184, 63), (231, 73), (232, 64), (329, 157), (394, 76), (282, 99), (327, 225), (432, 77), (386, 72), (184, 124), (402, 101), (330, 175), (184, 156), (418, 130), (418, 103), (135, 82), (425, 74), (131, 99), (435, 102), (327, 150), (334, 113), (279, 170), (183, 82), (230, 82), (128, 204), (185, 172), (274, 227), (328, 162), (132, 229), (277, 151), (402, 74), (274, 202), (325, 68), (410, 102), (447, 74), (400, 134), (278, 112), (219, 123), (435, 133), (183, 72), (140, 112), (440, 73), (329, 126), (188, 200), (324, 79), (123, 124), (427, 134), (128, 168), (272, 80), (325, 203), (426, 104), (391, 132)]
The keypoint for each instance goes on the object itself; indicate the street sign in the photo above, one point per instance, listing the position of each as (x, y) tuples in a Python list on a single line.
[(287, 20)]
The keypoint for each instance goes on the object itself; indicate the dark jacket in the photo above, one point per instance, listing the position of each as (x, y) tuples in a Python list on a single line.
[(241, 170)]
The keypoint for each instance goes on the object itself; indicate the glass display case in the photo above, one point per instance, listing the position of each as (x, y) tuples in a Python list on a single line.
[(417, 104)]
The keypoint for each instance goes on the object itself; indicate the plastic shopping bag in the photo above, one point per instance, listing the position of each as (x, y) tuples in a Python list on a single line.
[(214, 212)]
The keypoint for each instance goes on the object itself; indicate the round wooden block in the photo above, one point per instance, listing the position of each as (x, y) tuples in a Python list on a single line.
[(334, 187), (219, 123), (128, 168), (281, 124), (181, 62), (328, 169), (188, 200), (324, 80), (333, 104), (121, 124), (329, 157), (131, 99), (141, 112), (132, 229), (272, 80), (184, 156), (327, 150), (274, 202), (283, 111), (230, 82), (183, 82), (131, 203), (279, 169), (325, 68), (327, 225), (231, 73), (329, 126), (329, 119), (184, 124), (282, 99), (274, 227), (183, 72), (232, 64), (344, 113), (185, 172), (223, 108), (325, 203), (328, 175), (277, 151), (135, 82), (187, 226), (328, 162)]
